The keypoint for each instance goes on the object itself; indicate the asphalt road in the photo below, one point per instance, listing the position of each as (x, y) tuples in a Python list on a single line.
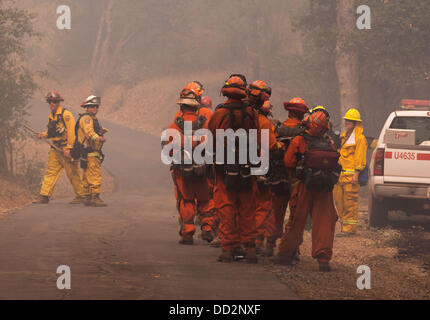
[(127, 250)]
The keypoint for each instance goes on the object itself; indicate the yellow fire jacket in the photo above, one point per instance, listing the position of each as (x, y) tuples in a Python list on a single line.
[(65, 128), (87, 135), (353, 151)]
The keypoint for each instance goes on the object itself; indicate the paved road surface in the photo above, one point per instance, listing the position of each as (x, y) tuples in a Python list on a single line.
[(128, 250)]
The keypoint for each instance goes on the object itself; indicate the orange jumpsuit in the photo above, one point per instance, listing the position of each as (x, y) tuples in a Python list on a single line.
[(275, 221), (236, 208), (192, 196), (322, 209), (263, 197), (207, 112)]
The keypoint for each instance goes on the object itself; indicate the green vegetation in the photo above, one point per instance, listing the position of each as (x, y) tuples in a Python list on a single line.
[(16, 82), (393, 57)]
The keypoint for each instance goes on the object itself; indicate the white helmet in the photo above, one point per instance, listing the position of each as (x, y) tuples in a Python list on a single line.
[(92, 100)]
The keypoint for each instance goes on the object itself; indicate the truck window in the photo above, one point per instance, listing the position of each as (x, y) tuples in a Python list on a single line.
[(420, 124)]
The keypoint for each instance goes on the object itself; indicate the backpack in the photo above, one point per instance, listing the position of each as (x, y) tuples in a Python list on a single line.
[(278, 178), (194, 170), (318, 167), (79, 152), (238, 176)]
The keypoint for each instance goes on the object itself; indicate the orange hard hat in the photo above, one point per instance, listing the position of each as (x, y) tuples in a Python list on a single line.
[(195, 87), (317, 123), (191, 94), (235, 87), (258, 89), (258, 84), (266, 108), (296, 104)]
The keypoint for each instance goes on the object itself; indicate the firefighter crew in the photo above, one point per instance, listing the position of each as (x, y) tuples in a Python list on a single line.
[(90, 137), (258, 97), (313, 159), (190, 181), (61, 131), (353, 160), (234, 185), (291, 127)]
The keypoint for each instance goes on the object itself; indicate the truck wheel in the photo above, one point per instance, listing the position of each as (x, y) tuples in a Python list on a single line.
[(378, 212)]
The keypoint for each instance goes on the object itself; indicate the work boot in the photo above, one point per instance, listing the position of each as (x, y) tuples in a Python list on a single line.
[(187, 240), (216, 243), (296, 255), (238, 253), (283, 260), (87, 201), (41, 200), (268, 251), (251, 256), (78, 200), (207, 235), (97, 202), (324, 266), (259, 248), (225, 256), (344, 234), (259, 244)]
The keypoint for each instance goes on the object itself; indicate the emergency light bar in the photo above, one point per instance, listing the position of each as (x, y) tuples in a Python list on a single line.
[(413, 104)]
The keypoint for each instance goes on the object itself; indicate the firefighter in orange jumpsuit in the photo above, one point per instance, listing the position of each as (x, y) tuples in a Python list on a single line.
[(206, 110), (296, 108), (207, 107), (234, 185), (191, 187), (314, 192), (258, 97)]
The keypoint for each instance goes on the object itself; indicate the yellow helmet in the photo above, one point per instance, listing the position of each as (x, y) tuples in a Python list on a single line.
[(320, 108), (353, 115)]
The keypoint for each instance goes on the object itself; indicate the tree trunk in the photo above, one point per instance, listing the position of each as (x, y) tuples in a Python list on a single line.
[(346, 60), (3, 160), (11, 158), (100, 59)]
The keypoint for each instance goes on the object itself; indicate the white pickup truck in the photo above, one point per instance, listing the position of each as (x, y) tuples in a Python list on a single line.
[(399, 170)]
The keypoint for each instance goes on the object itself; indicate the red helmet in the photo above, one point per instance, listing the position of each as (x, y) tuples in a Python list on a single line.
[(53, 96), (296, 104), (317, 123), (235, 87), (207, 102)]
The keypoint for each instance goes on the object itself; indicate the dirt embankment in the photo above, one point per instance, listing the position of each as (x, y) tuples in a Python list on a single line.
[(398, 257), (19, 191), (13, 196)]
